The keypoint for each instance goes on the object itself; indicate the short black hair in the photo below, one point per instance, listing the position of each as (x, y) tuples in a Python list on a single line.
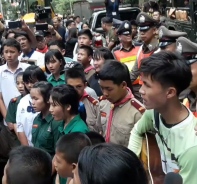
[(66, 95), (69, 22), (45, 89), (114, 71), (133, 23), (87, 49), (86, 32), (75, 73), (11, 42), (169, 69), (59, 43), (9, 32), (20, 74), (49, 56), (71, 145), (29, 165), (21, 33), (33, 74), (95, 138), (102, 52), (107, 20)]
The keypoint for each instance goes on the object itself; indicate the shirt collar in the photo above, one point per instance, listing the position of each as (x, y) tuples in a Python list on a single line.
[(29, 54), (70, 125), (61, 78), (48, 118), (6, 68), (122, 48)]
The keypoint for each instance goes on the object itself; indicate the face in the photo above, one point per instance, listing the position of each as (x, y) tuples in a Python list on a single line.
[(156, 16), (20, 84), (55, 47), (98, 64), (29, 85), (55, 23), (10, 54), (125, 38), (54, 65), (82, 57), (84, 40), (153, 94), (56, 110), (148, 35), (24, 42), (111, 91), (77, 19), (63, 168), (72, 25), (103, 25), (193, 84), (48, 38), (85, 26), (76, 179), (40, 42), (78, 84), (171, 47), (134, 30), (37, 100)]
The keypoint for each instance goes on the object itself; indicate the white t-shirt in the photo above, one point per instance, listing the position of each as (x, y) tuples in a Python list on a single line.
[(25, 117)]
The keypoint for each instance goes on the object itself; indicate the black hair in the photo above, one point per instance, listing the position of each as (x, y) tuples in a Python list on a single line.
[(69, 22), (169, 69), (35, 166), (87, 49), (110, 163), (84, 24), (66, 95), (33, 74), (95, 138), (102, 52), (86, 32), (133, 23), (114, 71), (72, 33), (75, 73), (44, 89), (49, 57), (11, 42), (107, 20), (71, 145), (9, 32), (20, 74), (21, 33), (59, 43)]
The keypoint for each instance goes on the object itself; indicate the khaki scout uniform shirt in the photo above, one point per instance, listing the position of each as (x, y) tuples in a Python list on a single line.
[(124, 118), (111, 37), (93, 114), (89, 73)]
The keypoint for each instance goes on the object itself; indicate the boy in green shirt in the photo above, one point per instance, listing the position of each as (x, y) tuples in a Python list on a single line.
[(165, 75)]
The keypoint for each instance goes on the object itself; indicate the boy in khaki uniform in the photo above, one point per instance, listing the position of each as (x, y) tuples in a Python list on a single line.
[(76, 78), (125, 110)]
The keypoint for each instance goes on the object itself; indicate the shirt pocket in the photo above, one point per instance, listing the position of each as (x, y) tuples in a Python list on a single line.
[(46, 140)]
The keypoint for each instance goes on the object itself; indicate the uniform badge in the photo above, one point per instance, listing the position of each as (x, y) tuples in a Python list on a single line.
[(179, 47), (160, 33), (14, 100), (126, 25), (35, 126), (142, 19), (49, 129)]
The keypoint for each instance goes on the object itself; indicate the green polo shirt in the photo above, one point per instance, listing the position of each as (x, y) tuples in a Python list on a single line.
[(75, 125), (45, 133), (58, 82), (12, 108)]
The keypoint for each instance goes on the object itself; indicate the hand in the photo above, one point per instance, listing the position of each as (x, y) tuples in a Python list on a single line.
[(51, 29), (10, 126), (24, 26)]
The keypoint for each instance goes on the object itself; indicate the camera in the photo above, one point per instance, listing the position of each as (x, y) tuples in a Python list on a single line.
[(42, 13)]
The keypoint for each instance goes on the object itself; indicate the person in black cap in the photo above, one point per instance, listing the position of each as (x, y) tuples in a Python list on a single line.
[(111, 38), (126, 52), (147, 32), (41, 44), (167, 38), (188, 50)]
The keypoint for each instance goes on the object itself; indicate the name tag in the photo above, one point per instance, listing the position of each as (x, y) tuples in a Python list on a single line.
[(113, 13)]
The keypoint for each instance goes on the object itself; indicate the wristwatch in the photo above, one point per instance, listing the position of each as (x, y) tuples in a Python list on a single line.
[(53, 34)]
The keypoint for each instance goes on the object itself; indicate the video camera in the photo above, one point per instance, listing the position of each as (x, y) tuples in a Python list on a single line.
[(42, 13)]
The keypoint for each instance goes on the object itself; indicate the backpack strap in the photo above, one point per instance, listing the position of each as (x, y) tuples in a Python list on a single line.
[(156, 117)]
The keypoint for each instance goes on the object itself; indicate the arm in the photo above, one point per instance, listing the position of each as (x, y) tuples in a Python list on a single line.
[(111, 45), (144, 125), (55, 34), (134, 72), (2, 106), (98, 122)]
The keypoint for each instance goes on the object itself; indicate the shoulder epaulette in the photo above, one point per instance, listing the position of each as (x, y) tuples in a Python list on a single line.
[(101, 98), (92, 100), (139, 106), (14, 100)]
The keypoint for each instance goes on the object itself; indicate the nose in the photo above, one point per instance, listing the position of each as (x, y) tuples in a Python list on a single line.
[(50, 65), (142, 92), (105, 93), (50, 109), (20, 85)]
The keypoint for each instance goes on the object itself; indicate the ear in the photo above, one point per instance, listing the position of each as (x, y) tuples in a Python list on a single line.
[(63, 52), (171, 92), (74, 165), (68, 108), (124, 85), (155, 30), (90, 58), (90, 42)]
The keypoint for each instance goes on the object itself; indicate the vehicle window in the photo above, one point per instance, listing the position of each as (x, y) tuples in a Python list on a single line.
[(98, 21)]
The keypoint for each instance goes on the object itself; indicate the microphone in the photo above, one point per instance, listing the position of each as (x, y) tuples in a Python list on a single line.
[(173, 178)]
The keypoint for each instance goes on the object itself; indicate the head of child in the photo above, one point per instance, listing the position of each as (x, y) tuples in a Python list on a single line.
[(84, 55), (64, 102), (161, 74), (11, 50), (99, 57), (76, 78), (20, 84), (113, 79), (54, 62), (31, 75), (95, 138), (118, 164), (68, 149), (40, 93), (24, 41), (85, 37), (35, 166), (57, 44)]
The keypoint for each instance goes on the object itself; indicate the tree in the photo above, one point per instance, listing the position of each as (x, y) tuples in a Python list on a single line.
[(62, 6)]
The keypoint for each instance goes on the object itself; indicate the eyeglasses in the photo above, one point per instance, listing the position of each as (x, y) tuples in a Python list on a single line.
[(191, 61)]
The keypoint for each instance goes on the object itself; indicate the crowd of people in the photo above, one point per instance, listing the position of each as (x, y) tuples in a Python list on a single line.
[(76, 112)]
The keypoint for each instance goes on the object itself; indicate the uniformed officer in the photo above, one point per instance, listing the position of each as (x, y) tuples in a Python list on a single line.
[(126, 52), (167, 38), (147, 32), (188, 49)]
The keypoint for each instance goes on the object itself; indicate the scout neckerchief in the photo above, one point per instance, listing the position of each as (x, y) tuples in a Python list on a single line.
[(126, 99), (88, 69), (85, 94)]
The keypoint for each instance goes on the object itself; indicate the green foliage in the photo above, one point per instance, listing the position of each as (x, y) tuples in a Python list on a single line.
[(62, 6)]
